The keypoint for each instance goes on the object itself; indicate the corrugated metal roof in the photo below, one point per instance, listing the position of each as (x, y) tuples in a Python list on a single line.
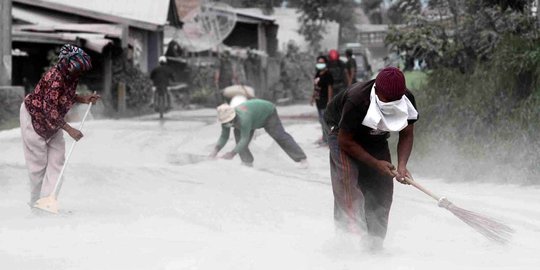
[(150, 11), (95, 42), (146, 11), (37, 17), (253, 13)]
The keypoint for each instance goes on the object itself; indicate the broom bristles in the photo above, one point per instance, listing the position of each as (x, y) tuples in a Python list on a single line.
[(488, 227)]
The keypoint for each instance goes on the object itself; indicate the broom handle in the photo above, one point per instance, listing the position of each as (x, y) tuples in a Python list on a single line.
[(421, 188), (59, 180)]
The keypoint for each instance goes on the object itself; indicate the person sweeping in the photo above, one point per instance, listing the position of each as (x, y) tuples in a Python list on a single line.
[(245, 119), (42, 120), (361, 119)]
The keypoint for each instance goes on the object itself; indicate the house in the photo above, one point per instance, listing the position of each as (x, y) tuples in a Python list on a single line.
[(215, 27), (103, 28)]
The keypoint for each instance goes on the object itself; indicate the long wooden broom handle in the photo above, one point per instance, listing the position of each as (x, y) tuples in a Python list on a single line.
[(59, 180), (423, 189)]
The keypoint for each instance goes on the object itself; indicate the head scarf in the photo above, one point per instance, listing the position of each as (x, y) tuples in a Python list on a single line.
[(74, 59)]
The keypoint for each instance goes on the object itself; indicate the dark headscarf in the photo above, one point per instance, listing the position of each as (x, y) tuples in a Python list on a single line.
[(74, 59)]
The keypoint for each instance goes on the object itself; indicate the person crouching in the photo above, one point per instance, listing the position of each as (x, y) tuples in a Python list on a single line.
[(245, 119)]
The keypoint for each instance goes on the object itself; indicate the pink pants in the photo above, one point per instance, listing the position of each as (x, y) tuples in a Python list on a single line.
[(44, 158)]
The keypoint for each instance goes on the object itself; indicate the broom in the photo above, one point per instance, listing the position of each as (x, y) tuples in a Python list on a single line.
[(50, 203), (488, 227)]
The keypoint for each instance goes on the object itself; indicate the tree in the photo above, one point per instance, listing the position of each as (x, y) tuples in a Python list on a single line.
[(402, 8), (467, 31), (315, 13)]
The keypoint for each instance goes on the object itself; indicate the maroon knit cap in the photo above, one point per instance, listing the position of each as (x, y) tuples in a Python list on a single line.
[(390, 84)]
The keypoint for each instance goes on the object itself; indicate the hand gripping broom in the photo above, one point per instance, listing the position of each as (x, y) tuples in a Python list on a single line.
[(50, 203), (488, 227)]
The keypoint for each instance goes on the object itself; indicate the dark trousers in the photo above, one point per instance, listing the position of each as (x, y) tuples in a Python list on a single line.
[(275, 129), (362, 197), (324, 126), (245, 155), (349, 213)]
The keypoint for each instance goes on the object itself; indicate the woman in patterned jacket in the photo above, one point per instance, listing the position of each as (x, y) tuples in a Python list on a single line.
[(42, 119)]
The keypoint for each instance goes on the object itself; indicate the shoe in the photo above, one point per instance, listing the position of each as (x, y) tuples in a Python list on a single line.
[(303, 164), (323, 144), (250, 165)]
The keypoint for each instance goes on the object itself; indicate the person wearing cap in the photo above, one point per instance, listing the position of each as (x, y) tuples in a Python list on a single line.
[(245, 119), (162, 76), (338, 70), (361, 120), (42, 119)]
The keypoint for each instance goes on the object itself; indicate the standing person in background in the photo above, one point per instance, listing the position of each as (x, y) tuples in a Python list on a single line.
[(351, 67), (322, 94), (224, 76), (361, 120), (162, 76), (338, 71), (245, 119), (42, 120)]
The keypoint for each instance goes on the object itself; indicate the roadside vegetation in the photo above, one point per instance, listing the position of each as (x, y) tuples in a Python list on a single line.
[(480, 103)]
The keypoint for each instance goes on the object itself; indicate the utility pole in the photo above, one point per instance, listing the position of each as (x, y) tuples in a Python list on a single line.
[(5, 42), (538, 11)]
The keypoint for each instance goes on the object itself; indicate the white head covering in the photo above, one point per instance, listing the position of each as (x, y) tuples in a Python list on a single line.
[(236, 90), (162, 59), (389, 116), (237, 100), (226, 113)]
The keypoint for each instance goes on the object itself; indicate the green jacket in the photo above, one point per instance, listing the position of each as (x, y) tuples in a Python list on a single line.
[(250, 115)]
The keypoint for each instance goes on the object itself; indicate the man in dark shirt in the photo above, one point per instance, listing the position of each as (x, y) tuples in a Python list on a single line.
[(351, 67), (361, 119), (161, 76), (338, 71), (322, 94)]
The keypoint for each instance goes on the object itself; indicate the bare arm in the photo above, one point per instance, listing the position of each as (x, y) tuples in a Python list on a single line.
[(355, 150), (405, 144), (73, 133), (330, 93), (352, 73), (87, 99)]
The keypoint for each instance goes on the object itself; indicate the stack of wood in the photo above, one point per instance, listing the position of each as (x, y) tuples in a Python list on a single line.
[(138, 84)]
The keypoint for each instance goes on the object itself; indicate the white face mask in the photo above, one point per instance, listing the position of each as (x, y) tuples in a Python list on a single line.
[(320, 66), (392, 108), (389, 116)]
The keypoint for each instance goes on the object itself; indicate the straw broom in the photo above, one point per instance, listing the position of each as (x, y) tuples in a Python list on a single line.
[(488, 227)]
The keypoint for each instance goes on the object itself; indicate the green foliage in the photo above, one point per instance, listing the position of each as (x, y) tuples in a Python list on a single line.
[(518, 5), (467, 32), (478, 123), (415, 79), (203, 89), (138, 84), (401, 8)]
